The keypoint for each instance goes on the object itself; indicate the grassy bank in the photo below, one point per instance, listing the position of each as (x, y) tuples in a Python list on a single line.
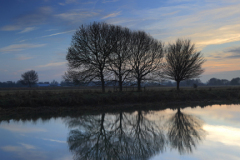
[(46, 113), (90, 99)]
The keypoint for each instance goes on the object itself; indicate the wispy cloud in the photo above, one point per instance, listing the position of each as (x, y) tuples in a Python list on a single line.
[(37, 17), (112, 15), (77, 16), (234, 50), (107, 1), (205, 24), (55, 34), (22, 57), (228, 53), (27, 146), (70, 1), (20, 47), (11, 28), (50, 30), (28, 29), (53, 64)]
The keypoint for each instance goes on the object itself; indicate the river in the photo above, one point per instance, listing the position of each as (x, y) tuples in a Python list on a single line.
[(206, 133)]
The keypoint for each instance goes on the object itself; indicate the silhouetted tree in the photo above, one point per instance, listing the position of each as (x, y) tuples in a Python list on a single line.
[(215, 81), (54, 83), (118, 59), (90, 48), (29, 78), (235, 81), (146, 56), (184, 131), (182, 61)]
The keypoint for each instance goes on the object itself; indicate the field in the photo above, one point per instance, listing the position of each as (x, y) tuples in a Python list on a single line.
[(80, 97), (84, 89)]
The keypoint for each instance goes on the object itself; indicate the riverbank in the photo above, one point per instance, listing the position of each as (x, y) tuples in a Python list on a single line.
[(46, 113), (90, 100)]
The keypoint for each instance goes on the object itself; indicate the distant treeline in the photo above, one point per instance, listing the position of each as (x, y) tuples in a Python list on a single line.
[(190, 82), (210, 82)]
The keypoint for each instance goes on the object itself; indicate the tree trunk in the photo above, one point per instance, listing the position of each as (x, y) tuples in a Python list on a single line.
[(120, 83), (179, 110), (102, 121), (139, 85), (178, 82), (103, 83)]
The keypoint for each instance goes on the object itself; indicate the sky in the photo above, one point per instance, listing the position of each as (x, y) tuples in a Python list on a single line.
[(35, 34)]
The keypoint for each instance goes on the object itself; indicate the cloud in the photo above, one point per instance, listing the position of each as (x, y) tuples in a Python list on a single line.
[(77, 16), (20, 47), (53, 64), (28, 146), (112, 15), (50, 30), (205, 24), (59, 33), (235, 50), (227, 53), (38, 17), (62, 4), (70, 1), (22, 57), (28, 29), (107, 1), (67, 2), (11, 28)]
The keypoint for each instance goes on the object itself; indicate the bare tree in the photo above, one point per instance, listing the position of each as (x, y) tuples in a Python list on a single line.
[(87, 57), (182, 61), (118, 59), (29, 78), (146, 56)]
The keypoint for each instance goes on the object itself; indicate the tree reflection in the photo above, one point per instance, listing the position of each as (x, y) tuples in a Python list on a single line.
[(184, 131), (147, 136), (91, 140), (125, 136), (121, 136)]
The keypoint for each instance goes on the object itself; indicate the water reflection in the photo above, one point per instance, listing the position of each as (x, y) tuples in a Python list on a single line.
[(184, 131), (128, 136), (121, 136)]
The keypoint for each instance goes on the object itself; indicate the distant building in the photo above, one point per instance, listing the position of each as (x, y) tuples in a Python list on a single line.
[(43, 85)]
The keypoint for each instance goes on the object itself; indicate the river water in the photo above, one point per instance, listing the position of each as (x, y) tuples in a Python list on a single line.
[(211, 132)]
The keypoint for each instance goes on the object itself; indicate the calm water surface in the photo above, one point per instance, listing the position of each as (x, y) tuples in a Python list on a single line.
[(212, 132)]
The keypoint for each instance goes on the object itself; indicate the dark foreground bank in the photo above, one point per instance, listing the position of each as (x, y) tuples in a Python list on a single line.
[(89, 100)]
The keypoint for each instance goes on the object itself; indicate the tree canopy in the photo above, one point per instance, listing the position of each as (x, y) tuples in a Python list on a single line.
[(29, 78), (182, 61)]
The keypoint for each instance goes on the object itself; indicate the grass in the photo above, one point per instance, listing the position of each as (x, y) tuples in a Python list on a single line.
[(46, 113), (90, 98)]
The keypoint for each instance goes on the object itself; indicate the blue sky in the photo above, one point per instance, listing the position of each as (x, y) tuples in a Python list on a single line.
[(35, 34)]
